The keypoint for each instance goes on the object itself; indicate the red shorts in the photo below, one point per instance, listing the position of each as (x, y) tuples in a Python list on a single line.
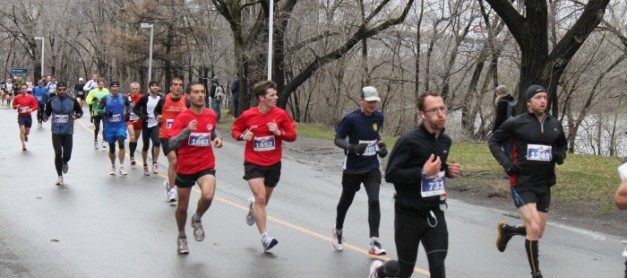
[(136, 124)]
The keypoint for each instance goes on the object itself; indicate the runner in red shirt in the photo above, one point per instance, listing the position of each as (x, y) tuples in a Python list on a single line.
[(25, 104), (134, 123), (166, 110), (264, 128), (191, 136)]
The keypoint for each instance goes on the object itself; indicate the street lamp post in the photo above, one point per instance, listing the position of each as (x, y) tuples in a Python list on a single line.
[(149, 26), (42, 39)]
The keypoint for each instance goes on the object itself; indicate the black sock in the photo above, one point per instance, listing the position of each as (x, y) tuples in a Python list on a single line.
[(132, 146), (532, 255), (517, 230)]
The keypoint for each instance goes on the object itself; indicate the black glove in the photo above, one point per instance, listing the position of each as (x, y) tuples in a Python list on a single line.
[(383, 150), (127, 117), (513, 170), (358, 149), (144, 117), (558, 158), (109, 114)]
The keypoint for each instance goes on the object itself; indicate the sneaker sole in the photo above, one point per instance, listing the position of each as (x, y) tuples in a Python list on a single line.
[(499, 229), (370, 252), (273, 243), (338, 248)]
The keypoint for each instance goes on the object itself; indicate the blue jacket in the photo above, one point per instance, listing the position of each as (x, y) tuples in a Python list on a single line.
[(62, 108), (41, 95)]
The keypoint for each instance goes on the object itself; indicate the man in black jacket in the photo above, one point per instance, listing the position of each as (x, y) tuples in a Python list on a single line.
[(418, 169), (538, 144)]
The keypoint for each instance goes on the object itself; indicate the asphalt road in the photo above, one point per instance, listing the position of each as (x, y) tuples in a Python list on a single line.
[(102, 226)]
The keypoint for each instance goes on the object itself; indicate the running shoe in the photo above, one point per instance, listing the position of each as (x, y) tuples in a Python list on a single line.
[(268, 242), (170, 193), (133, 162), (337, 239), (503, 236), (39, 124), (182, 246), (59, 181), (95, 144), (65, 168), (199, 232), (112, 172), (250, 217), (146, 171), (122, 171), (375, 248), (23, 149), (536, 275), (373, 268), (104, 145), (155, 168)]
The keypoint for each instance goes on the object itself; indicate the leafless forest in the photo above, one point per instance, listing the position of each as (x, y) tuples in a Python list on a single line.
[(326, 50)]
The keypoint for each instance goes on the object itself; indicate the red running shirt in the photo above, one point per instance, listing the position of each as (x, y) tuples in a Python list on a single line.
[(27, 103), (134, 119), (196, 152), (170, 110), (265, 148)]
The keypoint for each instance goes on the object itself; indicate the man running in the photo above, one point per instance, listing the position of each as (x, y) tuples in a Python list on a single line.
[(134, 123), (418, 169), (358, 135), (87, 88), (25, 104), (64, 110), (93, 99), (191, 136), (166, 110), (145, 108), (9, 91), (538, 143), (41, 95), (79, 91), (113, 109), (264, 128)]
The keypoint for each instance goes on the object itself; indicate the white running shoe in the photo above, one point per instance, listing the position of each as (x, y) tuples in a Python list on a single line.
[(146, 171), (181, 248), (104, 144), (112, 172), (375, 248), (59, 181), (122, 171), (199, 232), (373, 268), (155, 168), (250, 217), (337, 239), (268, 242), (172, 195), (96, 145)]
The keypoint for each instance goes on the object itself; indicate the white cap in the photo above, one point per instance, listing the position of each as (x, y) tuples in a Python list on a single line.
[(370, 93), (80, 79)]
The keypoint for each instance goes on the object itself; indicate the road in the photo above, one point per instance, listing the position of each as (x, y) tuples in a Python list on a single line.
[(102, 226)]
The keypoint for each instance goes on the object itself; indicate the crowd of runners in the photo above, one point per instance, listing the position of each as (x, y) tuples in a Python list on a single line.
[(178, 124)]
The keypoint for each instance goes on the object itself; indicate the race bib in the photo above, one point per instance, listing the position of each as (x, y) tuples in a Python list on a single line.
[(539, 152), (371, 149), (115, 118), (434, 185), (60, 119), (24, 109), (39, 98), (133, 117), (199, 139), (264, 144), (168, 123)]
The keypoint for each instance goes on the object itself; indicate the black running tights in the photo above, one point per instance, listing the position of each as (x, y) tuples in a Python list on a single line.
[(350, 186), (62, 144)]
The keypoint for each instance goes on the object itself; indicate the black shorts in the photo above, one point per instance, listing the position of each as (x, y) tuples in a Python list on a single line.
[(351, 181), (188, 180), (26, 121), (523, 195), (271, 174), (80, 95), (165, 145)]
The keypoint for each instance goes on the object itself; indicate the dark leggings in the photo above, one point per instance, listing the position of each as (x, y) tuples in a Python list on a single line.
[(412, 227), (62, 144), (40, 113), (350, 186), (97, 120), (150, 134)]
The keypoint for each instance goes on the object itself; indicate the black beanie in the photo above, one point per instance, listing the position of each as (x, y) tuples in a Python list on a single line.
[(152, 82), (61, 84), (533, 90), (115, 83)]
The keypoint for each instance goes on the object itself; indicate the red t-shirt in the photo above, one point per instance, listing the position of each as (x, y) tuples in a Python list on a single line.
[(196, 152), (265, 148), (134, 119), (27, 103), (169, 111)]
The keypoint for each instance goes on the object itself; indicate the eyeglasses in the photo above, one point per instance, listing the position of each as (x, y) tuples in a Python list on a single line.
[(436, 109)]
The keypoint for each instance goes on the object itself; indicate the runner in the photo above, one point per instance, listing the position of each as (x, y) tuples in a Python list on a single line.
[(113, 109), (41, 95), (134, 123), (418, 169), (191, 135), (264, 128), (93, 99), (79, 91), (150, 127), (64, 110), (538, 143), (89, 86), (166, 110), (9, 91), (25, 104), (358, 135)]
